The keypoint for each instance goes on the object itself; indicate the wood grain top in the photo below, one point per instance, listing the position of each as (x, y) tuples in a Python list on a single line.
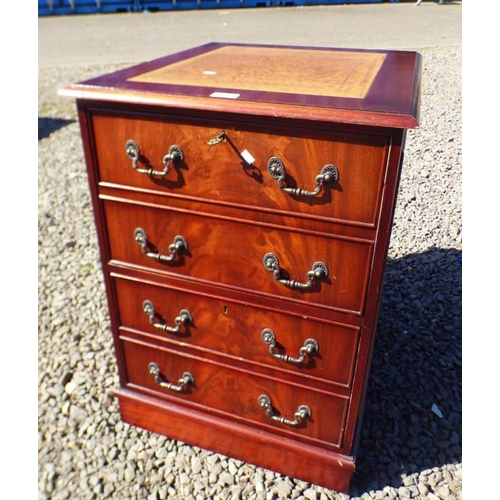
[(292, 71), (354, 86)]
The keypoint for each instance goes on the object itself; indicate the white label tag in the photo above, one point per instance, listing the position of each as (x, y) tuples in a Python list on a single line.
[(247, 157), (225, 95)]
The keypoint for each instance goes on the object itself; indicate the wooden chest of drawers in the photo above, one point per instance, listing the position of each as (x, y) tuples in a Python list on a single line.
[(243, 197)]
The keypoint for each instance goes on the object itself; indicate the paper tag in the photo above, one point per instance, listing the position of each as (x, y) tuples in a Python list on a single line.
[(247, 157), (210, 72), (225, 95)]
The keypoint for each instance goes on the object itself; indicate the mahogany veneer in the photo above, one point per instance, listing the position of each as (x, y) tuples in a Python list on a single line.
[(243, 198)]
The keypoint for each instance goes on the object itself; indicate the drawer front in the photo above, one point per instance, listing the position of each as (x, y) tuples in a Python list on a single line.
[(221, 174), (318, 349), (231, 252), (235, 393)]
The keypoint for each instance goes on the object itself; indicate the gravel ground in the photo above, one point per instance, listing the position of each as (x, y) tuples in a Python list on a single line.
[(412, 432)]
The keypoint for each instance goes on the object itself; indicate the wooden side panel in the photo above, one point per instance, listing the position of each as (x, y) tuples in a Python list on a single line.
[(368, 332)]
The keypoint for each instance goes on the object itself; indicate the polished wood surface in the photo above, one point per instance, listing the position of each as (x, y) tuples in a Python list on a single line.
[(233, 439), (231, 253), (231, 329), (293, 71), (392, 100), (231, 212), (235, 393), (220, 172)]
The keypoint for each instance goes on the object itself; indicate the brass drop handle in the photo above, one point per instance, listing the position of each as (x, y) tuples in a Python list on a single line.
[(186, 379), (184, 318), (174, 156), (178, 246), (319, 271), (300, 415), (329, 175), (310, 346)]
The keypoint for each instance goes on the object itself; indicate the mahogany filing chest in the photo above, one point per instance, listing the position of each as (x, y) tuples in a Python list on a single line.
[(243, 198)]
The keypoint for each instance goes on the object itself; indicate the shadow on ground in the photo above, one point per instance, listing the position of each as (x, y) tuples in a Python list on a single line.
[(417, 363), (48, 125)]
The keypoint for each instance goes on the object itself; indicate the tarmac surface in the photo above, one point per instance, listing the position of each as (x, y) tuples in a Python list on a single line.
[(141, 36)]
